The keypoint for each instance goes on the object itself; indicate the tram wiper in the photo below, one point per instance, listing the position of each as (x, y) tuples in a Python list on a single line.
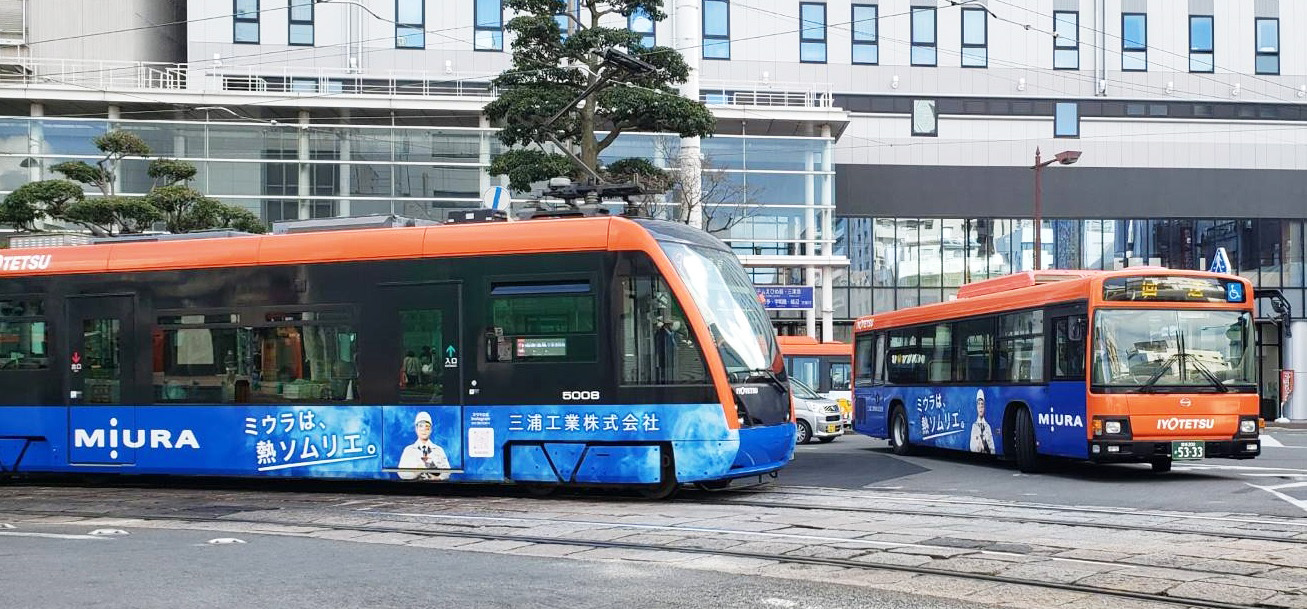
[(768, 374)]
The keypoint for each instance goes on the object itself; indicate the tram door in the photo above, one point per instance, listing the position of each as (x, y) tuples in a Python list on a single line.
[(101, 347), (421, 329)]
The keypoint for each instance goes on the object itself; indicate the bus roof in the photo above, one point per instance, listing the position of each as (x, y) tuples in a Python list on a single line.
[(474, 239), (1031, 289), (807, 345)]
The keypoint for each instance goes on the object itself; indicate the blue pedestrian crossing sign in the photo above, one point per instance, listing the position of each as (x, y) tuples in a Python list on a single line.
[(1220, 262)]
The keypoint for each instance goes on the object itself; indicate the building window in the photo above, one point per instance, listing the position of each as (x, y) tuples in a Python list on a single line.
[(1200, 44), (923, 36), (1066, 120), (1066, 42), (489, 34), (1268, 46), (564, 21), (641, 23), (975, 38), (246, 28), (925, 120), (866, 48), (410, 24), (812, 32), (1134, 42), (301, 23), (716, 29)]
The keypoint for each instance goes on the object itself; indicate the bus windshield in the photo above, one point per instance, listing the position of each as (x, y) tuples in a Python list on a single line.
[(729, 304), (1151, 350)]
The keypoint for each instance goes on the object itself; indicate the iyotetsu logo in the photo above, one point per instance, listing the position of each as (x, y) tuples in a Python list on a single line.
[(31, 262), (1176, 424)]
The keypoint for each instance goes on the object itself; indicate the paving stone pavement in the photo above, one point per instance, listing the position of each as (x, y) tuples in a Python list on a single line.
[(1181, 556)]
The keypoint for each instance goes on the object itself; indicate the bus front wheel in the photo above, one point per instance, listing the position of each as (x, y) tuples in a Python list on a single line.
[(1161, 465), (1027, 452), (898, 432)]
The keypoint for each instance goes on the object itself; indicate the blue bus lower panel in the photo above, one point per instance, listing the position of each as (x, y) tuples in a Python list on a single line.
[(971, 418), (432, 442)]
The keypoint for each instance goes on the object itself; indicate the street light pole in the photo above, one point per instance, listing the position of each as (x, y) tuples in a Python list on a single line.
[(1039, 209), (1066, 157)]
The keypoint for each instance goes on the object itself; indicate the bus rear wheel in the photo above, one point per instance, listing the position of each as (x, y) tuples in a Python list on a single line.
[(1027, 452), (898, 432)]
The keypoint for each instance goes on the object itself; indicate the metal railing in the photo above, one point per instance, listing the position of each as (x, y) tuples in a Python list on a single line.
[(786, 95), (283, 80)]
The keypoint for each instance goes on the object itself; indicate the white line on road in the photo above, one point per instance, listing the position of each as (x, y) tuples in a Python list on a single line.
[(1269, 441), (1302, 505), (46, 535)]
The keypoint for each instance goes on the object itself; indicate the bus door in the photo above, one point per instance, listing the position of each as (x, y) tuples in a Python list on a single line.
[(420, 328), (101, 348), (1062, 426)]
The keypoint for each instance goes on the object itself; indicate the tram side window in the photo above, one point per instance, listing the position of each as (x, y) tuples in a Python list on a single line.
[(1069, 349), (865, 359), (299, 357), (24, 336), (975, 349), (658, 347), (1020, 348), (542, 322)]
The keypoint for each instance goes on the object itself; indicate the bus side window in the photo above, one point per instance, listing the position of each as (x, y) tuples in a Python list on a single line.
[(880, 359), (1069, 348), (839, 376), (865, 359)]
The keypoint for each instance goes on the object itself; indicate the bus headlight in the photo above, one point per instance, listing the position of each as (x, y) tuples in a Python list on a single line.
[(1248, 426), (1112, 427)]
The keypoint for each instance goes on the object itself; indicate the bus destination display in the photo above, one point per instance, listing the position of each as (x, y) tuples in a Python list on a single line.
[(1173, 289)]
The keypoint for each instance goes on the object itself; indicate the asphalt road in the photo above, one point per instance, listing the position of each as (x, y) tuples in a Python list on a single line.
[(1275, 483), (62, 566)]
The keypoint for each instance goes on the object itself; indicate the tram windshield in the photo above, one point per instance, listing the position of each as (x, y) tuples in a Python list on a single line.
[(729, 304)]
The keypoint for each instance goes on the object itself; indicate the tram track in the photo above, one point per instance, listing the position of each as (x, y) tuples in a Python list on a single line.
[(1224, 534), (181, 521)]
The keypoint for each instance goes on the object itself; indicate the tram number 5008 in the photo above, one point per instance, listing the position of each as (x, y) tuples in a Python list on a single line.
[(580, 396)]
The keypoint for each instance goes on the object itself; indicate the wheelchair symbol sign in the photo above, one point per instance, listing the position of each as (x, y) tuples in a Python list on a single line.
[(1234, 292)]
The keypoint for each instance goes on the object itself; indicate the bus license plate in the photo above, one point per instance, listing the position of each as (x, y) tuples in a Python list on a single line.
[(832, 428), (1187, 451)]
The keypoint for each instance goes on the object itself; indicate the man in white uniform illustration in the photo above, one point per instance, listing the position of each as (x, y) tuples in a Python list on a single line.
[(982, 435), (423, 454)]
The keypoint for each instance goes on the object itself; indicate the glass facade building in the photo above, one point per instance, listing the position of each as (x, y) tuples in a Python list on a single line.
[(898, 262)]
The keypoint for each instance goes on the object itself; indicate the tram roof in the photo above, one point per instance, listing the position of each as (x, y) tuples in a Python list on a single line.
[(1027, 290), (555, 235)]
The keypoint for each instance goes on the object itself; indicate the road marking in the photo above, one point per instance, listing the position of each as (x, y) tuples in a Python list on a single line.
[(659, 527), (1274, 490), (1270, 441), (46, 535)]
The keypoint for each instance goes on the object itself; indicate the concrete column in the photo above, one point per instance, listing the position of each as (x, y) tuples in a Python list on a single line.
[(687, 26), (1295, 359), (808, 237), (305, 183), (35, 142), (483, 156), (346, 172), (827, 232)]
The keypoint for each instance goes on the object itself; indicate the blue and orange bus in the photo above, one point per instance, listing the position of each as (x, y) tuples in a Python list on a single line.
[(577, 351), (826, 367), (1140, 365)]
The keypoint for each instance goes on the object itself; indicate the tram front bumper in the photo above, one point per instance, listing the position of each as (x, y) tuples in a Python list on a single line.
[(1132, 451)]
